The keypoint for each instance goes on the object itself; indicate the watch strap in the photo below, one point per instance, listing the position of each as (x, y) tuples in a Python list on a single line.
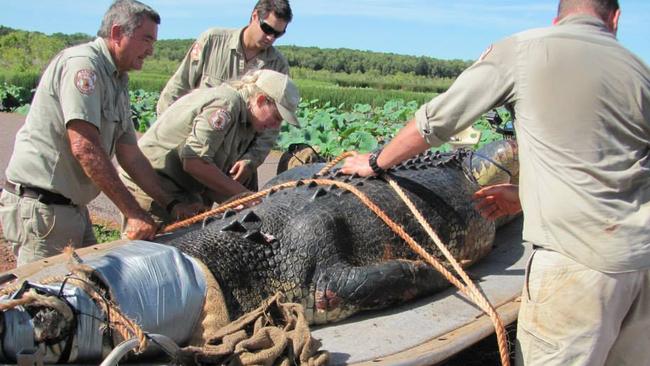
[(372, 161)]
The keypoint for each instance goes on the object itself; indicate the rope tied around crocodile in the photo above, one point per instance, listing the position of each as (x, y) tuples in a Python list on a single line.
[(263, 330), (464, 284)]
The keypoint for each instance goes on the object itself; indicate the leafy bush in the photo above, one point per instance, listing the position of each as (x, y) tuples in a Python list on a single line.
[(12, 97), (143, 108), (334, 131), (105, 234), (28, 80)]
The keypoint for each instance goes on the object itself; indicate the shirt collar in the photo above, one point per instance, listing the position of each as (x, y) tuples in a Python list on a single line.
[(109, 63), (584, 19), (237, 44)]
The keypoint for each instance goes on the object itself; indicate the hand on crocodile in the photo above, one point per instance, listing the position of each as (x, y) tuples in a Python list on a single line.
[(139, 227), (498, 200), (357, 163), (242, 171), (185, 210)]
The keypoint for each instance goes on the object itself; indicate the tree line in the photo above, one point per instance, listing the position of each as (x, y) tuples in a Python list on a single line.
[(24, 52)]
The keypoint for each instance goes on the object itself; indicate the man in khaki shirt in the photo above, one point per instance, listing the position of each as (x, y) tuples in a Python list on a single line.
[(582, 106), (193, 145), (79, 119), (220, 55)]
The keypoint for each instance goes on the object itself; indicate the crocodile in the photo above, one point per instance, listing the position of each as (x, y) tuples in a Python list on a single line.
[(323, 248), (316, 245)]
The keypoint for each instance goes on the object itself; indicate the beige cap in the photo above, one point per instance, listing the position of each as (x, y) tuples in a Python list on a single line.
[(283, 91)]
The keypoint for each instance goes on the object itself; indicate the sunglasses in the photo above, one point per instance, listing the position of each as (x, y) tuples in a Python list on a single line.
[(270, 31)]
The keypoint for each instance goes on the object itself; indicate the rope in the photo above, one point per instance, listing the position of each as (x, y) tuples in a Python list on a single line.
[(333, 163), (230, 205), (243, 201), (468, 288)]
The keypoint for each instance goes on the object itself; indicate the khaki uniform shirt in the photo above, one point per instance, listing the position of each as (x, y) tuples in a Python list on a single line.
[(83, 83), (209, 123), (582, 106), (218, 56)]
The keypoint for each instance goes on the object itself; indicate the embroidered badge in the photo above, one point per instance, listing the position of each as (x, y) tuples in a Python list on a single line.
[(219, 119), (484, 54), (195, 54), (85, 80)]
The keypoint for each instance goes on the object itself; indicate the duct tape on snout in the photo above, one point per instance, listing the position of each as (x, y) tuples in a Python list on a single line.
[(155, 285)]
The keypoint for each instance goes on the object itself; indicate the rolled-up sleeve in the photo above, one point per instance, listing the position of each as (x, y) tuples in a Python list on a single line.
[(487, 84)]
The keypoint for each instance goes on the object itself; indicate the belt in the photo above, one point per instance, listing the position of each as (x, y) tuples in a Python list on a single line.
[(39, 194)]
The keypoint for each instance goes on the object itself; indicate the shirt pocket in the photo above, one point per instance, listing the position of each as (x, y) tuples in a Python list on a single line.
[(107, 131)]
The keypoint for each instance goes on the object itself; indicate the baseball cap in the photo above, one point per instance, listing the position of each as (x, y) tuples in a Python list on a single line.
[(283, 91)]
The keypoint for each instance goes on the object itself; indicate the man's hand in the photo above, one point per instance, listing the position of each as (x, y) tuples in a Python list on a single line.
[(498, 200), (141, 227), (185, 210), (242, 171), (357, 163)]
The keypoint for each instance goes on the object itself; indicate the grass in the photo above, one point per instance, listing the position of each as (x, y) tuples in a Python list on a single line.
[(105, 234)]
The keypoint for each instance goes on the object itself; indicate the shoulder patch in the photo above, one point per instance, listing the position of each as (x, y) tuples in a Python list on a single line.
[(484, 54), (85, 80), (219, 119), (195, 54)]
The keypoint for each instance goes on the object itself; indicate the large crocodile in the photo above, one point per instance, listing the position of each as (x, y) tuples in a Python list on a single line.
[(319, 245), (324, 249)]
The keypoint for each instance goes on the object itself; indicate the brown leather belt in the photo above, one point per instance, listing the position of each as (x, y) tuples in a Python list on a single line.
[(42, 195)]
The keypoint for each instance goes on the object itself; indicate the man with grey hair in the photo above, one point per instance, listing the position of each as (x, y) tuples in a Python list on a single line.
[(582, 103), (220, 55), (79, 119)]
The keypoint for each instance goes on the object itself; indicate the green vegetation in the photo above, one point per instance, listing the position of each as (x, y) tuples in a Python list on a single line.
[(335, 131), (351, 100), (143, 108), (351, 76), (105, 234), (347, 97), (354, 61)]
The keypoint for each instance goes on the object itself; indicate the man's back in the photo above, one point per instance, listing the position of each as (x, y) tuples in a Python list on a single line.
[(583, 112)]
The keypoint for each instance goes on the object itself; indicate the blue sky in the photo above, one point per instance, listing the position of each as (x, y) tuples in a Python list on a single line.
[(446, 29)]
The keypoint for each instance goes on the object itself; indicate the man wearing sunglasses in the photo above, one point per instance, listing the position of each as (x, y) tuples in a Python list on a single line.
[(220, 55)]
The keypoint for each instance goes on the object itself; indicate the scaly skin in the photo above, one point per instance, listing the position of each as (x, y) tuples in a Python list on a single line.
[(325, 249)]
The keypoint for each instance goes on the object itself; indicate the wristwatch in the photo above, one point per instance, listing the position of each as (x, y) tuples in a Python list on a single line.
[(372, 160)]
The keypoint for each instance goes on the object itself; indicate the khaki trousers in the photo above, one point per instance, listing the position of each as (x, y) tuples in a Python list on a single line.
[(36, 230), (158, 213), (573, 315)]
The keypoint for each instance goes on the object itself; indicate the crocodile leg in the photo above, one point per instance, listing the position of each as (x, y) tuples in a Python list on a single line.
[(342, 290)]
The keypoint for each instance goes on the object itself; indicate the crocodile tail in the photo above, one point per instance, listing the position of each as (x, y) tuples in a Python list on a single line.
[(494, 163)]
